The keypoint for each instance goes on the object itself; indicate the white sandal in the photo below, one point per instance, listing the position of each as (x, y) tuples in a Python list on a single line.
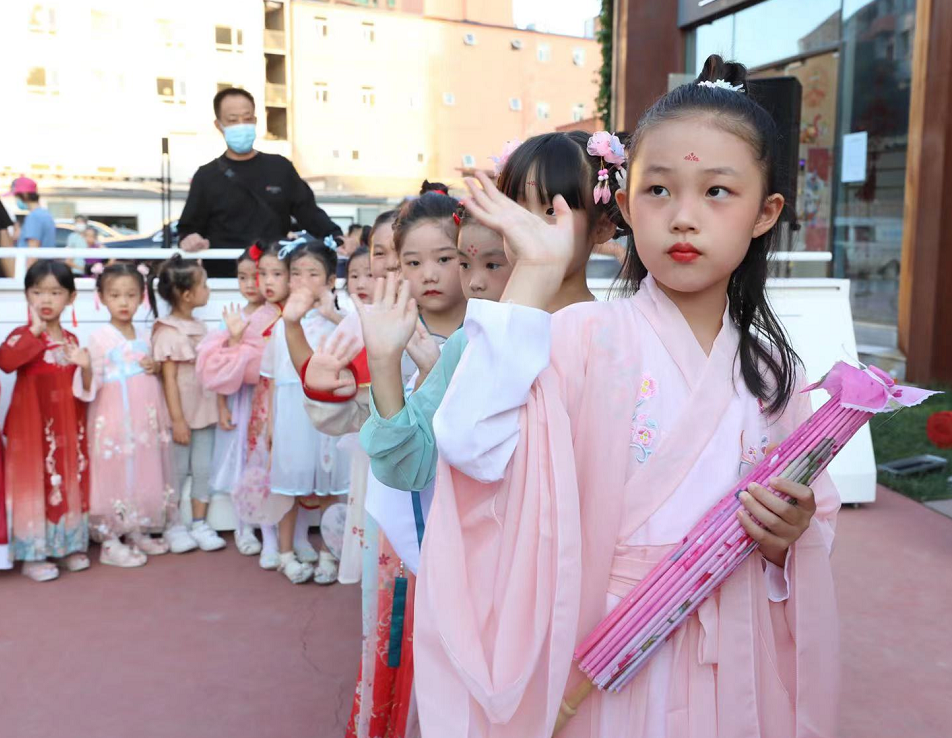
[(149, 545), (296, 571), (40, 571), (326, 571), (116, 553), (76, 562)]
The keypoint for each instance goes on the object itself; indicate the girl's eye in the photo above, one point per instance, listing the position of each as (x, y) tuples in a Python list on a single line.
[(491, 266), (658, 190), (463, 265), (718, 193), (413, 263), (445, 259), (550, 212)]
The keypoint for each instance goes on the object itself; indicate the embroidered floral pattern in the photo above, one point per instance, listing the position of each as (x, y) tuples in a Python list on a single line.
[(644, 429), (751, 454)]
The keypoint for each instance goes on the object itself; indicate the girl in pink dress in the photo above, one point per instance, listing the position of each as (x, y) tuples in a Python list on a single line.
[(576, 449), (229, 363), (46, 463), (131, 486)]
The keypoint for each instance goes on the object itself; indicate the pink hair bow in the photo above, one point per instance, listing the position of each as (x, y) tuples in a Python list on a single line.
[(499, 162)]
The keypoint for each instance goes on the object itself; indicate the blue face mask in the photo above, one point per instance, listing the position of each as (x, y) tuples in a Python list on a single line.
[(240, 138)]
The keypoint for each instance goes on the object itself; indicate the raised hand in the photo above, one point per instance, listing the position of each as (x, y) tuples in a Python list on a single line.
[(298, 304), (528, 238), (78, 356), (327, 308), (37, 324), (327, 369), (423, 349), (234, 321), (390, 321)]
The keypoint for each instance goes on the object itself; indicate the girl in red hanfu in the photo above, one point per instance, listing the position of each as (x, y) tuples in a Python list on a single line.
[(46, 461)]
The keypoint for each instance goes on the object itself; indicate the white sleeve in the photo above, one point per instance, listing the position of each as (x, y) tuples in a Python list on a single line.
[(477, 424)]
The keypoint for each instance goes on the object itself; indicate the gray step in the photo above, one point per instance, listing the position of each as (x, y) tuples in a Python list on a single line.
[(887, 358), (876, 334)]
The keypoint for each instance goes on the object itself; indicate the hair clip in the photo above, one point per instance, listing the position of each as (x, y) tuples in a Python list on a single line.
[(499, 162), (609, 148), (330, 242), (287, 247), (96, 268), (143, 270), (457, 219), (722, 84), (255, 252)]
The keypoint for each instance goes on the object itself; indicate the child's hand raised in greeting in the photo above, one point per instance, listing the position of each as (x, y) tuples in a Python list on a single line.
[(78, 356), (298, 304), (235, 323), (37, 324), (327, 369), (423, 349), (328, 308), (389, 322)]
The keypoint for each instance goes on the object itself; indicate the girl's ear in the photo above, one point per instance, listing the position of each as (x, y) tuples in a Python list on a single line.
[(769, 214), (72, 297)]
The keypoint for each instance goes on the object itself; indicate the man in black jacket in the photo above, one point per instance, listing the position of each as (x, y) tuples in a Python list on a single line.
[(245, 195)]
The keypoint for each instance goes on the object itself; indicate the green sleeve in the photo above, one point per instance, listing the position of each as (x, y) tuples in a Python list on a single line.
[(402, 449)]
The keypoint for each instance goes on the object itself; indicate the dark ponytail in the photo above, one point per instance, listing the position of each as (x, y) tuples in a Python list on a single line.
[(176, 276), (768, 362)]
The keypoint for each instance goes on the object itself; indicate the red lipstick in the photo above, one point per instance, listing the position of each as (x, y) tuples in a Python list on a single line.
[(683, 253)]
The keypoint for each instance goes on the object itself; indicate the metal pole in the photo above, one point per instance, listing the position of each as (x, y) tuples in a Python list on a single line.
[(166, 194)]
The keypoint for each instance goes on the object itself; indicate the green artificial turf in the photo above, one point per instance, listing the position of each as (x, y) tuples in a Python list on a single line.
[(903, 434)]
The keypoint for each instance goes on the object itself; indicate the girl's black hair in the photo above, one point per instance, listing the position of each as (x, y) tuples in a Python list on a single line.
[(365, 235), (768, 362), (387, 216), (358, 252), (245, 256), (177, 276), (559, 164), (50, 267), (128, 269), (432, 207), (437, 187)]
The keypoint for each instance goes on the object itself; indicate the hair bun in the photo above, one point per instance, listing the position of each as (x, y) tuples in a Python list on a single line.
[(715, 68)]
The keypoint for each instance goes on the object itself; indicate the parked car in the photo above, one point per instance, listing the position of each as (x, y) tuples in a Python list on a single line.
[(65, 226), (150, 241)]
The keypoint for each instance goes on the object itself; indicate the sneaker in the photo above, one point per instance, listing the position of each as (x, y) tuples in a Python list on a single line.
[(305, 552), (179, 539), (269, 560), (116, 553), (149, 545), (205, 537), (40, 571), (326, 571), (296, 571), (247, 543)]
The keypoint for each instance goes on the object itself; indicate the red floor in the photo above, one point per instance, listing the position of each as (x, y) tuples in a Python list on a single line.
[(208, 645)]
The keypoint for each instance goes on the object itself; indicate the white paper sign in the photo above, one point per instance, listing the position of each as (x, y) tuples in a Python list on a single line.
[(853, 167)]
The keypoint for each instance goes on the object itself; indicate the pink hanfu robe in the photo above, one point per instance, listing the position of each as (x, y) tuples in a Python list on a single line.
[(624, 442)]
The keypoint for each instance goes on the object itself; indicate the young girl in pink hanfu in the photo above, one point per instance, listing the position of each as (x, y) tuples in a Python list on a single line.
[(603, 433), (131, 485), (192, 408), (229, 363)]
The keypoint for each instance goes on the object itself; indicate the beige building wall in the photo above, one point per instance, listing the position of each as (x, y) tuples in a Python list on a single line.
[(383, 99)]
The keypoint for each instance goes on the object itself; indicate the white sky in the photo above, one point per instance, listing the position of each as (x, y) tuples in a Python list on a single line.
[(556, 16)]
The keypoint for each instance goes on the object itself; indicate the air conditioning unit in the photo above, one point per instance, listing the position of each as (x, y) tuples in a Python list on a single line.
[(469, 39), (469, 160), (515, 103), (516, 44)]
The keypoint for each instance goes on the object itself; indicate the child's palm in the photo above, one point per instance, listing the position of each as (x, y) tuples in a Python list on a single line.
[(298, 304), (327, 369), (389, 322), (234, 321)]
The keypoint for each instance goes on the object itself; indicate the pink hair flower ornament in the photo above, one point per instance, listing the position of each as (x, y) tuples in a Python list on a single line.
[(609, 148), (499, 162)]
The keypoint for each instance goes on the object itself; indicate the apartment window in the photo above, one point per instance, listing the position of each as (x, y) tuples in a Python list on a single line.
[(355, 154), (515, 103), (320, 25), (104, 23), (542, 110), (544, 52), (170, 90), (336, 153), (578, 57), (578, 112), (420, 158), (42, 19), (320, 92), (413, 101), (516, 44), (449, 98), (170, 33), (368, 32), (469, 39), (368, 97), (469, 160), (228, 39), (42, 81)]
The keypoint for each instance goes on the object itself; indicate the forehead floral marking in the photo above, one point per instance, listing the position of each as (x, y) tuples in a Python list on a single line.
[(691, 157), (472, 250)]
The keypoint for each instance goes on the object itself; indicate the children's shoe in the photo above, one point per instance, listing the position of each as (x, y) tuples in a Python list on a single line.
[(269, 560), (115, 553), (76, 562), (40, 571), (179, 539), (207, 539), (326, 572), (305, 552), (247, 543), (296, 571), (149, 545)]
